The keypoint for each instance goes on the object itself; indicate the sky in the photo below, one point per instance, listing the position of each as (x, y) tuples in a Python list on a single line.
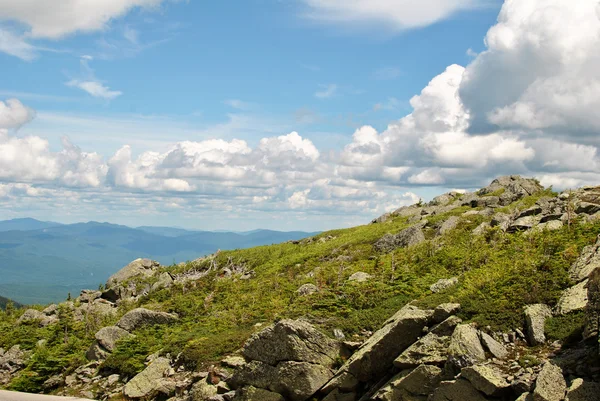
[(288, 115)]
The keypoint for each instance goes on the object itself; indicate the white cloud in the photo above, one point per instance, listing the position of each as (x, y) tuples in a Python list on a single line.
[(13, 114), (65, 17), (327, 91), (393, 14), (16, 45), (94, 88)]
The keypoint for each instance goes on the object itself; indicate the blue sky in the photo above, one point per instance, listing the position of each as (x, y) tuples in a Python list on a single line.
[(142, 97)]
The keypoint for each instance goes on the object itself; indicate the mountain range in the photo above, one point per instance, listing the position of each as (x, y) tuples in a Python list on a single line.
[(42, 262)]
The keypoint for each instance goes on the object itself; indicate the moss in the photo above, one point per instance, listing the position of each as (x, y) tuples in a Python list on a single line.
[(568, 328)]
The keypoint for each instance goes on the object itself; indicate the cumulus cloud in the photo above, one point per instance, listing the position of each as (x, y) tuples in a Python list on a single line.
[(67, 16), (395, 15), (13, 114)]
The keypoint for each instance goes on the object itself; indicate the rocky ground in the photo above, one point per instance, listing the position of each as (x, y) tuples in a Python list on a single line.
[(418, 353)]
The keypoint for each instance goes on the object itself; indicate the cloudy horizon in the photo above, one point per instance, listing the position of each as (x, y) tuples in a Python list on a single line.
[(148, 112)]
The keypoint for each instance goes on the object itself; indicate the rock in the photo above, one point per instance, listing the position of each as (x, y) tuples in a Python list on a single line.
[(344, 381), (486, 379), (550, 384), (552, 225), (445, 199), (512, 188), (165, 280), (377, 354), (307, 289), (446, 328), (573, 299), (444, 311), (233, 361), (53, 382), (337, 395), (52, 309), (459, 390), (494, 347), (96, 352), (443, 284), (112, 380), (298, 381), (291, 340), (147, 383), (535, 318), (139, 267), (422, 380), (89, 295), (465, 348), (338, 334), (107, 337), (360, 277), (501, 220), (482, 228), (31, 315), (139, 317), (251, 393), (587, 208), (431, 349), (449, 225), (592, 311), (525, 397), (382, 219), (202, 390), (405, 238), (582, 390), (523, 224), (588, 261)]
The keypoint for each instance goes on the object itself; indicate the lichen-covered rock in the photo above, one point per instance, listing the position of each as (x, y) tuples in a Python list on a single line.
[(360, 277), (459, 390), (107, 337), (337, 395), (422, 380), (535, 318), (377, 354), (443, 284), (512, 188), (202, 391), (592, 310), (165, 280), (291, 340), (147, 383), (431, 349), (408, 237), (582, 390), (588, 261), (140, 317), (31, 315), (449, 225), (251, 393), (444, 311), (486, 379), (482, 228), (494, 347), (139, 267), (573, 299), (550, 384), (307, 289), (465, 347)]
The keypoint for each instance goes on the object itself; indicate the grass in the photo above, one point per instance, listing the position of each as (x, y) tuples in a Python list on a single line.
[(499, 274)]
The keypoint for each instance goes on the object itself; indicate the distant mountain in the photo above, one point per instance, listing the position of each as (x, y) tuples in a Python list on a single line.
[(26, 224), (5, 301), (45, 264)]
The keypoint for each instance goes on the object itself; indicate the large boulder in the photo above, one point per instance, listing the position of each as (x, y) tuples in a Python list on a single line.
[(465, 347), (581, 390), (139, 267), (408, 237), (550, 384), (140, 317), (459, 390), (593, 308), (409, 385), (449, 225), (573, 299), (147, 383), (376, 356), (108, 336), (443, 284), (291, 340), (251, 393), (535, 318), (588, 261), (431, 350), (487, 379), (32, 315), (511, 188), (495, 348)]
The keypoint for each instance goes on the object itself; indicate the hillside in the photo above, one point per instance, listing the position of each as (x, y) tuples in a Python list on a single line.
[(5, 301), (42, 261), (487, 254)]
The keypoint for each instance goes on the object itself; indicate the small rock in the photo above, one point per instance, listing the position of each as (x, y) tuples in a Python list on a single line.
[(443, 284), (233, 361), (535, 316), (307, 289), (573, 299), (494, 347), (360, 277)]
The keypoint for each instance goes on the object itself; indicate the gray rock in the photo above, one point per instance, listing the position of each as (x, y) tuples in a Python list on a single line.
[(422, 380), (444, 311), (202, 391), (89, 295), (486, 379), (459, 390), (53, 382), (552, 225), (405, 238), (251, 393), (233, 361), (449, 225), (465, 348), (140, 317), (31, 315), (446, 328), (573, 299), (535, 318), (292, 340), (108, 336), (377, 354), (494, 347), (514, 187), (523, 224), (582, 390), (307, 289), (588, 261), (147, 383), (52, 309), (550, 384), (165, 280), (501, 220), (431, 349), (443, 284), (337, 395), (360, 277), (482, 228), (344, 381), (587, 208), (525, 397), (445, 199), (139, 267), (96, 352)]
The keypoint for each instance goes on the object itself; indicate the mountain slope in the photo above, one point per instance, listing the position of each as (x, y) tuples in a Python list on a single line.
[(510, 245), (25, 224)]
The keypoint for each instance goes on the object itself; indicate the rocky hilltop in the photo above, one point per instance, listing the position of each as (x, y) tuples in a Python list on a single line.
[(491, 295)]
